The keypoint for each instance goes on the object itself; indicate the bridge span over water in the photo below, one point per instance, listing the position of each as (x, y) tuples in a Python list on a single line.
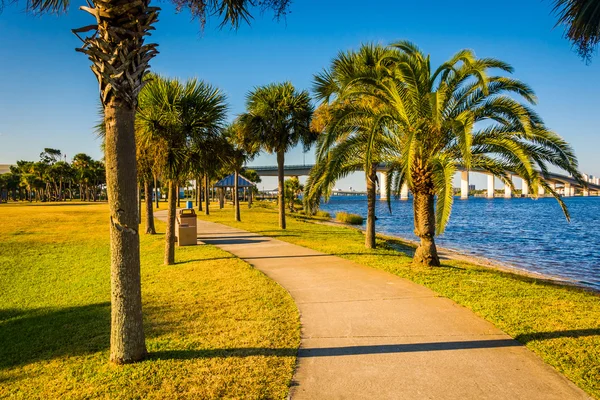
[(563, 184)]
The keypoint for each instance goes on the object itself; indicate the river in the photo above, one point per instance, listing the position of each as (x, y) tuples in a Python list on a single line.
[(521, 233)]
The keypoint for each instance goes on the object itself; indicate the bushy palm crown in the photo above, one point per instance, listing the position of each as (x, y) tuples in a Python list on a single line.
[(278, 117), (459, 113), (352, 130), (582, 21), (176, 116), (240, 148)]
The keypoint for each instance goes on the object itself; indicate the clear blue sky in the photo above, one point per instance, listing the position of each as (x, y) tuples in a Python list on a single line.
[(48, 95)]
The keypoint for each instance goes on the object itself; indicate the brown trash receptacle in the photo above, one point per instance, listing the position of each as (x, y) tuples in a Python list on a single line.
[(185, 228)]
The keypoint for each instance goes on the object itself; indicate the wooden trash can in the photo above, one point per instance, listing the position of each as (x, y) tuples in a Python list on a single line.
[(185, 228)]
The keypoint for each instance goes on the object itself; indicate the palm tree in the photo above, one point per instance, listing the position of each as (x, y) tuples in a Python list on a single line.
[(120, 60), (146, 164), (582, 24), (172, 115), (81, 166), (352, 133), (278, 117), (241, 150), (293, 189), (460, 113), (206, 156)]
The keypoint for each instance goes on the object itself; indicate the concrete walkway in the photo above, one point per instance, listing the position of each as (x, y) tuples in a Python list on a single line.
[(368, 334)]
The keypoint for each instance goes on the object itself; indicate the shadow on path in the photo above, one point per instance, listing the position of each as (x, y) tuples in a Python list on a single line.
[(334, 351), (225, 240)]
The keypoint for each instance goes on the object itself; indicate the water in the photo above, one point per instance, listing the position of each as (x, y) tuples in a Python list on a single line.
[(522, 233)]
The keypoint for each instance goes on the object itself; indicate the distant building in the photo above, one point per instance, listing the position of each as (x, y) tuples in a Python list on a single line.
[(472, 188)]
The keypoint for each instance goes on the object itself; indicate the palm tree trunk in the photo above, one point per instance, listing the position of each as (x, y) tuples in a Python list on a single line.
[(156, 192), (199, 190), (236, 196), (280, 188), (150, 230), (170, 235), (371, 199), (206, 195), (139, 193), (127, 342), (426, 254)]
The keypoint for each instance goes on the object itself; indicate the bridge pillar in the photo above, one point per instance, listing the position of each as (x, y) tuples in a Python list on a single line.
[(524, 188), (585, 192), (464, 185), (541, 191), (568, 191), (404, 192), (490, 186), (382, 185), (508, 189)]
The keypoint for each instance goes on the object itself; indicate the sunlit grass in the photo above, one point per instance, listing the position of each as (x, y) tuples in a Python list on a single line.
[(215, 326), (559, 323)]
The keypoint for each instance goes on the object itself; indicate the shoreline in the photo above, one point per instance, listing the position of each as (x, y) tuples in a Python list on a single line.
[(457, 255)]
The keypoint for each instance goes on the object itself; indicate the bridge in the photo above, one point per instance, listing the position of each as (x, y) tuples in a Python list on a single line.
[(563, 184)]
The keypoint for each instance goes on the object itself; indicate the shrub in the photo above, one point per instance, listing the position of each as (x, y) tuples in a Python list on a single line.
[(353, 219), (322, 214)]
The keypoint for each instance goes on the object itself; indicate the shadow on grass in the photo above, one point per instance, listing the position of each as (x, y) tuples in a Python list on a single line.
[(575, 333), (334, 351), (67, 203), (204, 259), (43, 334), (222, 353)]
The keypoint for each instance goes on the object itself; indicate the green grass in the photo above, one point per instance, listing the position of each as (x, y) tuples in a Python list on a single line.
[(215, 326), (346, 218), (560, 323)]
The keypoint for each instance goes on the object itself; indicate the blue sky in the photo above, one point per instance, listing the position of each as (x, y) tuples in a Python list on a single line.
[(48, 95)]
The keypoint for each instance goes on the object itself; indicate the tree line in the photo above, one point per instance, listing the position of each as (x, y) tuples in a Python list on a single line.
[(53, 178)]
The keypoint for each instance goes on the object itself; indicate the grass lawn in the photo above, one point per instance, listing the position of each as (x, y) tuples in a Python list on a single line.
[(561, 324), (215, 326)]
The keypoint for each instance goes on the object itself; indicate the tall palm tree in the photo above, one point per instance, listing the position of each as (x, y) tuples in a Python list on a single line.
[(352, 133), (241, 150), (278, 117), (460, 113), (206, 157), (146, 165), (582, 24), (120, 59), (173, 115)]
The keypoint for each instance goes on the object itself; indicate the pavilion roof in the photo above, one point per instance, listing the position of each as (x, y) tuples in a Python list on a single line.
[(229, 181)]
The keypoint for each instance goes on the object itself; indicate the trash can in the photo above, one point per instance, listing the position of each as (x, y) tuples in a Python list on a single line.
[(190, 205), (186, 232)]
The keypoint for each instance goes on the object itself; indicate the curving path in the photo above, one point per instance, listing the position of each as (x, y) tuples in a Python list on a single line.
[(368, 334)]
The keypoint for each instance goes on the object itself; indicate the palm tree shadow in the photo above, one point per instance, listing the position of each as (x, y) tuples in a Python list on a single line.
[(574, 333), (45, 333), (222, 353), (204, 259)]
